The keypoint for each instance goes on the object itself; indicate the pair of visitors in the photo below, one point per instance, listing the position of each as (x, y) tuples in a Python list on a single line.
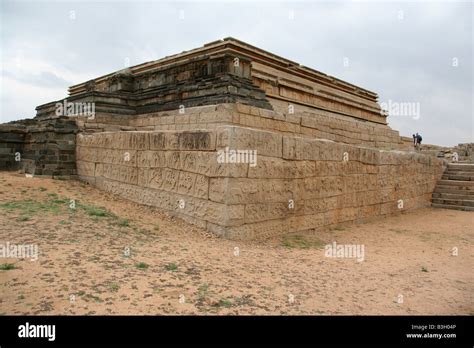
[(417, 141)]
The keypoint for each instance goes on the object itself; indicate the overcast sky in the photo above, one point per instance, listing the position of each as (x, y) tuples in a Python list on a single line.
[(407, 52)]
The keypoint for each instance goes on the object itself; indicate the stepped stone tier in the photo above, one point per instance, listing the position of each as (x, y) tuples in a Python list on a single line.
[(263, 90), (455, 190), (323, 152)]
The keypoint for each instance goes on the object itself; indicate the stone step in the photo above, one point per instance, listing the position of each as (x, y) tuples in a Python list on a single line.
[(445, 195), (458, 172), (455, 207), (462, 167), (454, 190), (457, 177), (456, 183), (459, 202)]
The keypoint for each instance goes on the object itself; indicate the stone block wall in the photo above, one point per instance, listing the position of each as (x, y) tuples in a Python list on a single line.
[(328, 182), (303, 121), (46, 147), (158, 169), (12, 140)]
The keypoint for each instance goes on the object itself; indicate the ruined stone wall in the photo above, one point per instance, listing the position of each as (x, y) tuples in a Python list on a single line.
[(465, 151), (12, 140), (178, 171), (459, 153), (45, 147), (204, 80)]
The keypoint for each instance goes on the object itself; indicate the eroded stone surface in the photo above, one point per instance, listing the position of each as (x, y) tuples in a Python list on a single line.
[(296, 184)]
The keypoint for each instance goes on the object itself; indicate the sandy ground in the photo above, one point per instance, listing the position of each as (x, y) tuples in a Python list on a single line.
[(140, 261)]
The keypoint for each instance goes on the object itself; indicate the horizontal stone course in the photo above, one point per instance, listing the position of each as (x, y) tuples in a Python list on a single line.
[(238, 138), (200, 162), (304, 121), (194, 207)]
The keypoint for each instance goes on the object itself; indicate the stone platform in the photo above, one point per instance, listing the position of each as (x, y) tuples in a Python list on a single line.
[(324, 153)]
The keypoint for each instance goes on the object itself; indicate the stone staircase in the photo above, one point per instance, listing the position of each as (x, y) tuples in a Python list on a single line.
[(455, 190)]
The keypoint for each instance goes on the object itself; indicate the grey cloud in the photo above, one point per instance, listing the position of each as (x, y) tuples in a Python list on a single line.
[(42, 79)]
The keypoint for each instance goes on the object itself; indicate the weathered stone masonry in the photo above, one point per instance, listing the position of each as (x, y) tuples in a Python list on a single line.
[(321, 143), (43, 147), (240, 201)]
